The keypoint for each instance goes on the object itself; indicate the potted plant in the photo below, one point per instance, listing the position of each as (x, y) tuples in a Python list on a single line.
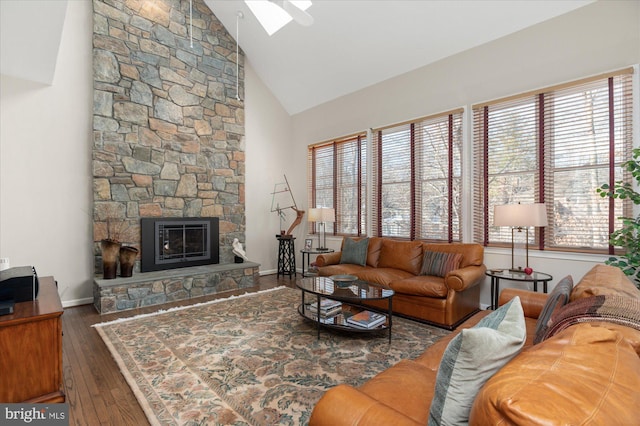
[(627, 237)]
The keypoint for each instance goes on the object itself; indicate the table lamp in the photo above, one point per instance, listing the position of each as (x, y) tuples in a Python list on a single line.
[(520, 217), (321, 215)]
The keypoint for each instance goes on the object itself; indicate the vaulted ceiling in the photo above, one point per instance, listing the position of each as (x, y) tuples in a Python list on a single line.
[(351, 45), (354, 43)]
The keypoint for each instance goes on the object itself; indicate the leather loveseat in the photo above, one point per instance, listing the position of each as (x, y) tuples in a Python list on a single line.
[(444, 301), (586, 373)]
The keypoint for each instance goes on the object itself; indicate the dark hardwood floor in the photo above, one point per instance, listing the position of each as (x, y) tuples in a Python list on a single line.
[(96, 391)]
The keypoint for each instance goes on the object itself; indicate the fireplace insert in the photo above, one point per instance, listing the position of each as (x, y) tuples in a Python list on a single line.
[(169, 243)]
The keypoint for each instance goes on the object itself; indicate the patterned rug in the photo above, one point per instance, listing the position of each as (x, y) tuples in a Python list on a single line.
[(247, 360)]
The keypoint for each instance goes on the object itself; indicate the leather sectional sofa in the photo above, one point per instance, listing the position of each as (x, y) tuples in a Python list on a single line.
[(444, 301), (586, 373)]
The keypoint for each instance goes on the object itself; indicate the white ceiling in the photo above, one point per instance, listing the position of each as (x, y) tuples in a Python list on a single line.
[(357, 43), (351, 45)]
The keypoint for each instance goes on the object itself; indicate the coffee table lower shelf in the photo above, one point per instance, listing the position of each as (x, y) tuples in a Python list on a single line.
[(339, 321)]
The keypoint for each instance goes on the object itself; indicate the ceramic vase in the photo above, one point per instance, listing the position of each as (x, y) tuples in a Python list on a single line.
[(110, 252), (128, 257)]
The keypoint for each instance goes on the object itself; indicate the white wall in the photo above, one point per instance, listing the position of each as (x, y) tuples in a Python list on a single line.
[(45, 158), (268, 159), (45, 173), (596, 38)]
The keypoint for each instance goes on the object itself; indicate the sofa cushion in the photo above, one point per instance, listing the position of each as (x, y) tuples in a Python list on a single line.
[(471, 358), (586, 374), (439, 264), (342, 269), (390, 388), (604, 280), (354, 252), (373, 252), (384, 276), (405, 255), (556, 300), (421, 285)]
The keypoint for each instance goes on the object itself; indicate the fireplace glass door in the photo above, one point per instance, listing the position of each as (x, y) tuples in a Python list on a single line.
[(169, 243), (182, 241)]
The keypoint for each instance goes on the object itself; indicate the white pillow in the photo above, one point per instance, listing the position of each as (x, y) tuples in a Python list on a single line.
[(471, 358)]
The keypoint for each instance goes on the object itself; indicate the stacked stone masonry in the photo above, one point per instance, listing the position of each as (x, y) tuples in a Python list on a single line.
[(155, 288), (168, 124)]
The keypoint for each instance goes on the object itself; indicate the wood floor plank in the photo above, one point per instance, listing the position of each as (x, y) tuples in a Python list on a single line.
[(82, 409), (96, 391)]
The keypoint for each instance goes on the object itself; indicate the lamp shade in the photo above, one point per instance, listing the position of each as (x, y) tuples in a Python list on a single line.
[(534, 214), (322, 214)]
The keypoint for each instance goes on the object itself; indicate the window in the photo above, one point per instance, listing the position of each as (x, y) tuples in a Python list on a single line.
[(555, 146), (337, 179), (417, 178)]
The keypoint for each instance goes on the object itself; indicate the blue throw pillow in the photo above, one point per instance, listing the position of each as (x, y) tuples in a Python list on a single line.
[(355, 252), (471, 358)]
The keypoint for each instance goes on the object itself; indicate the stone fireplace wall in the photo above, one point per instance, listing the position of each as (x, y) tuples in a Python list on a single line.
[(167, 123)]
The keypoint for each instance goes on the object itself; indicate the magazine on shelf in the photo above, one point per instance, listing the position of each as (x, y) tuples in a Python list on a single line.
[(367, 319)]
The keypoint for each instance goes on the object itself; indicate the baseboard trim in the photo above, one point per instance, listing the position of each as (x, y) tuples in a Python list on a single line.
[(77, 302)]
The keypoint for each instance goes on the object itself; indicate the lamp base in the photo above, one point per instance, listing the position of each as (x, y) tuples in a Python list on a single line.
[(322, 249)]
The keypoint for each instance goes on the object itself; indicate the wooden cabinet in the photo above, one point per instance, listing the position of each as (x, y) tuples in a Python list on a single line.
[(31, 349)]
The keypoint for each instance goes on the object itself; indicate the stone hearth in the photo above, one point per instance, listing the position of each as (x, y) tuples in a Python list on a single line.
[(158, 287)]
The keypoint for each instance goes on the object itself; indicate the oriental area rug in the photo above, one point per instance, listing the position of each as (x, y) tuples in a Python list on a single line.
[(247, 360)]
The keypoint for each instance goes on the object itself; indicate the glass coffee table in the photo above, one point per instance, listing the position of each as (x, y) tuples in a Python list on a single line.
[(352, 295)]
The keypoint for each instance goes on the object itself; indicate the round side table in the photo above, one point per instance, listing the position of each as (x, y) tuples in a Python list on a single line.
[(308, 253), (497, 275)]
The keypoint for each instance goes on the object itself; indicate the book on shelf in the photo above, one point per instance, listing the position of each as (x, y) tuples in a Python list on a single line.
[(328, 320), (326, 305), (367, 319), (324, 313)]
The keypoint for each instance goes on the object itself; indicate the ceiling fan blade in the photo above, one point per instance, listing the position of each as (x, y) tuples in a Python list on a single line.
[(300, 16)]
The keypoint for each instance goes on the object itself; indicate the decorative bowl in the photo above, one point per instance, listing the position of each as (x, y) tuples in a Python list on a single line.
[(343, 280)]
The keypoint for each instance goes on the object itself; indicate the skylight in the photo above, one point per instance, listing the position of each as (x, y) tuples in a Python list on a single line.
[(271, 16)]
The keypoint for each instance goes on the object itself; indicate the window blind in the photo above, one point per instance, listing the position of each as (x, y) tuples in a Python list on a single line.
[(555, 146), (417, 179), (337, 179)]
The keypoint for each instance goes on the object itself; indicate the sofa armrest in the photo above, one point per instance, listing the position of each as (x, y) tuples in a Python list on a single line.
[(532, 302), (328, 259), (464, 278), (345, 405)]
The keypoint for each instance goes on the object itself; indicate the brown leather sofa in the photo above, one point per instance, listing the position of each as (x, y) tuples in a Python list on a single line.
[(588, 373), (443, 301)]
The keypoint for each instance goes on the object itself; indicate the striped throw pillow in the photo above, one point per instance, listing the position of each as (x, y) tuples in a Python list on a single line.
[(439, 264)]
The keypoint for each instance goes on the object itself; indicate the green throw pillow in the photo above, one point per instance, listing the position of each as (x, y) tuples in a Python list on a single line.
[(471, 358), (439, 264), (556, 300), (355, 252)]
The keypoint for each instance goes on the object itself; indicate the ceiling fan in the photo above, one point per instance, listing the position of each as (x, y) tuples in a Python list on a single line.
[(298, 14)]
